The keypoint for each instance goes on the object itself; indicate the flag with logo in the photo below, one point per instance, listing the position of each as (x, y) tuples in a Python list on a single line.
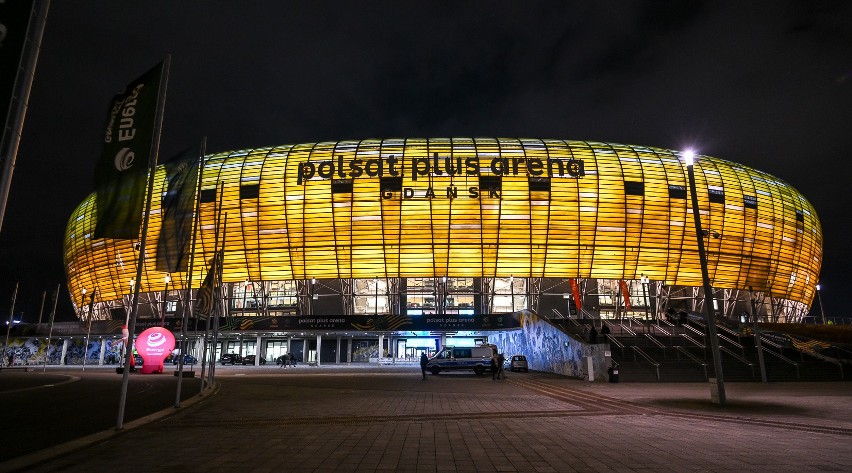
[(625, 291), (575, 289), (206, 299), (178, 205), (122, 172)]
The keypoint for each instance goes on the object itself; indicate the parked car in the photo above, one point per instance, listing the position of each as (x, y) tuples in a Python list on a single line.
[(230, 359), (249, 360), (518, 363), (187, 359)]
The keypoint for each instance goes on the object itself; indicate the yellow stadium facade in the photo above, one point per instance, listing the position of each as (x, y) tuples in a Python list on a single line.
[(469, 225)]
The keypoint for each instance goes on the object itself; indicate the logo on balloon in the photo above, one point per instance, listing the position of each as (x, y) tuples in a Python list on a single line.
[(154, 345)]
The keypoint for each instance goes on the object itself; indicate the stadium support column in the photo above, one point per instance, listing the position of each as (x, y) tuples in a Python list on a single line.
[(719, 396), (319, 349), (258, 352), (381, 349), (337, 352)]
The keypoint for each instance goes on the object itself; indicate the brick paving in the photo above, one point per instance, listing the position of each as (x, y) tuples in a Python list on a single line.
[(386, 419)]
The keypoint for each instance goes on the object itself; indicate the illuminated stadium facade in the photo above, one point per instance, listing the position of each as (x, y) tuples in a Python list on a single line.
[(438, 236)]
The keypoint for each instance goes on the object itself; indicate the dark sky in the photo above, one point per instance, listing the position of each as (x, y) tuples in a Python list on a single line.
[(767, 84)]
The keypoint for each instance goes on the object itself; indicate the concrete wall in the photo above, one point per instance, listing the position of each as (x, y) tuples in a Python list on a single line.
[(548, 348)]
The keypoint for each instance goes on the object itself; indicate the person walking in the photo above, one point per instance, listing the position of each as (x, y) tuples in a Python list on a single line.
[(292, 360), (424, 360), (494, 367), (605, 332), (593, 335), (501, 360)]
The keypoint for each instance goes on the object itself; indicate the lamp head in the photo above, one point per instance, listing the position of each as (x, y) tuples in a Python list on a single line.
[(689, 157), (818, 287)]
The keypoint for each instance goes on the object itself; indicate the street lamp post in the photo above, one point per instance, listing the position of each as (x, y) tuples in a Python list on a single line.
[(644, 280), (689, 157), (819, 298)]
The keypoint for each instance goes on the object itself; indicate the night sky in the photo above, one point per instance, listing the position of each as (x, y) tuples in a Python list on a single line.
[(766, 84)]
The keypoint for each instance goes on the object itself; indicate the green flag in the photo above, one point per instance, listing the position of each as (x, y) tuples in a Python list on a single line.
[(121, 174), (205, 301), (177, 210)]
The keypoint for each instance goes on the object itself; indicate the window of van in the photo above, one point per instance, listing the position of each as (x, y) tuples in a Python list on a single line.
[(462, 352)]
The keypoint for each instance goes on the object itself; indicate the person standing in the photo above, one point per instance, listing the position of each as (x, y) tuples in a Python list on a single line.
[(424, 360), (292, 360), (593, 335), (501, 360), (493, 367)]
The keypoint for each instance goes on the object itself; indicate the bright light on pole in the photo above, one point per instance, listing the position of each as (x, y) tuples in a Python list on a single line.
[(819, 298), (689, 159)]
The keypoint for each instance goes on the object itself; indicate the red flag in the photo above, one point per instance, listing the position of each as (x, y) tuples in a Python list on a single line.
[(626, 293), (575, 288)]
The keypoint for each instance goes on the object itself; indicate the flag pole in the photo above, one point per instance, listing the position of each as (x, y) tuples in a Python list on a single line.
[(9, 326), (17, 113), (152, 170), (50, 331), (186, 300), (216, 282), (89, 330)]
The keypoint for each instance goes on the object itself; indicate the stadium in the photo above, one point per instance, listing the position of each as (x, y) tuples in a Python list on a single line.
[(443, 241)]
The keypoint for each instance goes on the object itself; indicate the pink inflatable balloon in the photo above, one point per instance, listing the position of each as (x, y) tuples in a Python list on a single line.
[(154, 345)]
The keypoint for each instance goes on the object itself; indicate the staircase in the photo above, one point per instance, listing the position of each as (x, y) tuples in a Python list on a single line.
[(660, 351)]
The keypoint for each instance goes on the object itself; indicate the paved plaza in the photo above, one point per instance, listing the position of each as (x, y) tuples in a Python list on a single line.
[(325, 419)]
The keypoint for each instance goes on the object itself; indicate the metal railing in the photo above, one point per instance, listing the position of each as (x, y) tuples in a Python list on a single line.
[(738, 358), (680, 349), (786, 360), (655, 341), (614, 341), (637, 350), (732, 342)]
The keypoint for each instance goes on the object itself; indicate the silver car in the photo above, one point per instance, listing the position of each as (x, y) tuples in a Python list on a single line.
[(518, 363)]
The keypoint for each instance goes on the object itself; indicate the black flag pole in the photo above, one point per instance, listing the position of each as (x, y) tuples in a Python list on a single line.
[(187, 300), (152, 168)]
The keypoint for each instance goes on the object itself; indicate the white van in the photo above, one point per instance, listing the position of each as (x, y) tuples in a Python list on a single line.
[(477, 359)]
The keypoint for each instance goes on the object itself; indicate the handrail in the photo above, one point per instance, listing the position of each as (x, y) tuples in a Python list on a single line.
[(662, 330), (647, 358), (766, 341), (784, 358), (730, 332), (614, 341), (690, 327), (693, 358), (739, 358), (627, 329), (694, 341), (736, 344), (556, 311), (655, 341)]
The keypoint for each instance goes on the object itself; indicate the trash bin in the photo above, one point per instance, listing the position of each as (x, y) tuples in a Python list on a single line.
[(613, 375)]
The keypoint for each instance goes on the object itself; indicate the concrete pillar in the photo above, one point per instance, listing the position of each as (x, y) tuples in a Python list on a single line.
[(319, 349), (349, 350), (257, 352), (64, 351), (103, 349), (304, 350), (337, 352), (381, 348)]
